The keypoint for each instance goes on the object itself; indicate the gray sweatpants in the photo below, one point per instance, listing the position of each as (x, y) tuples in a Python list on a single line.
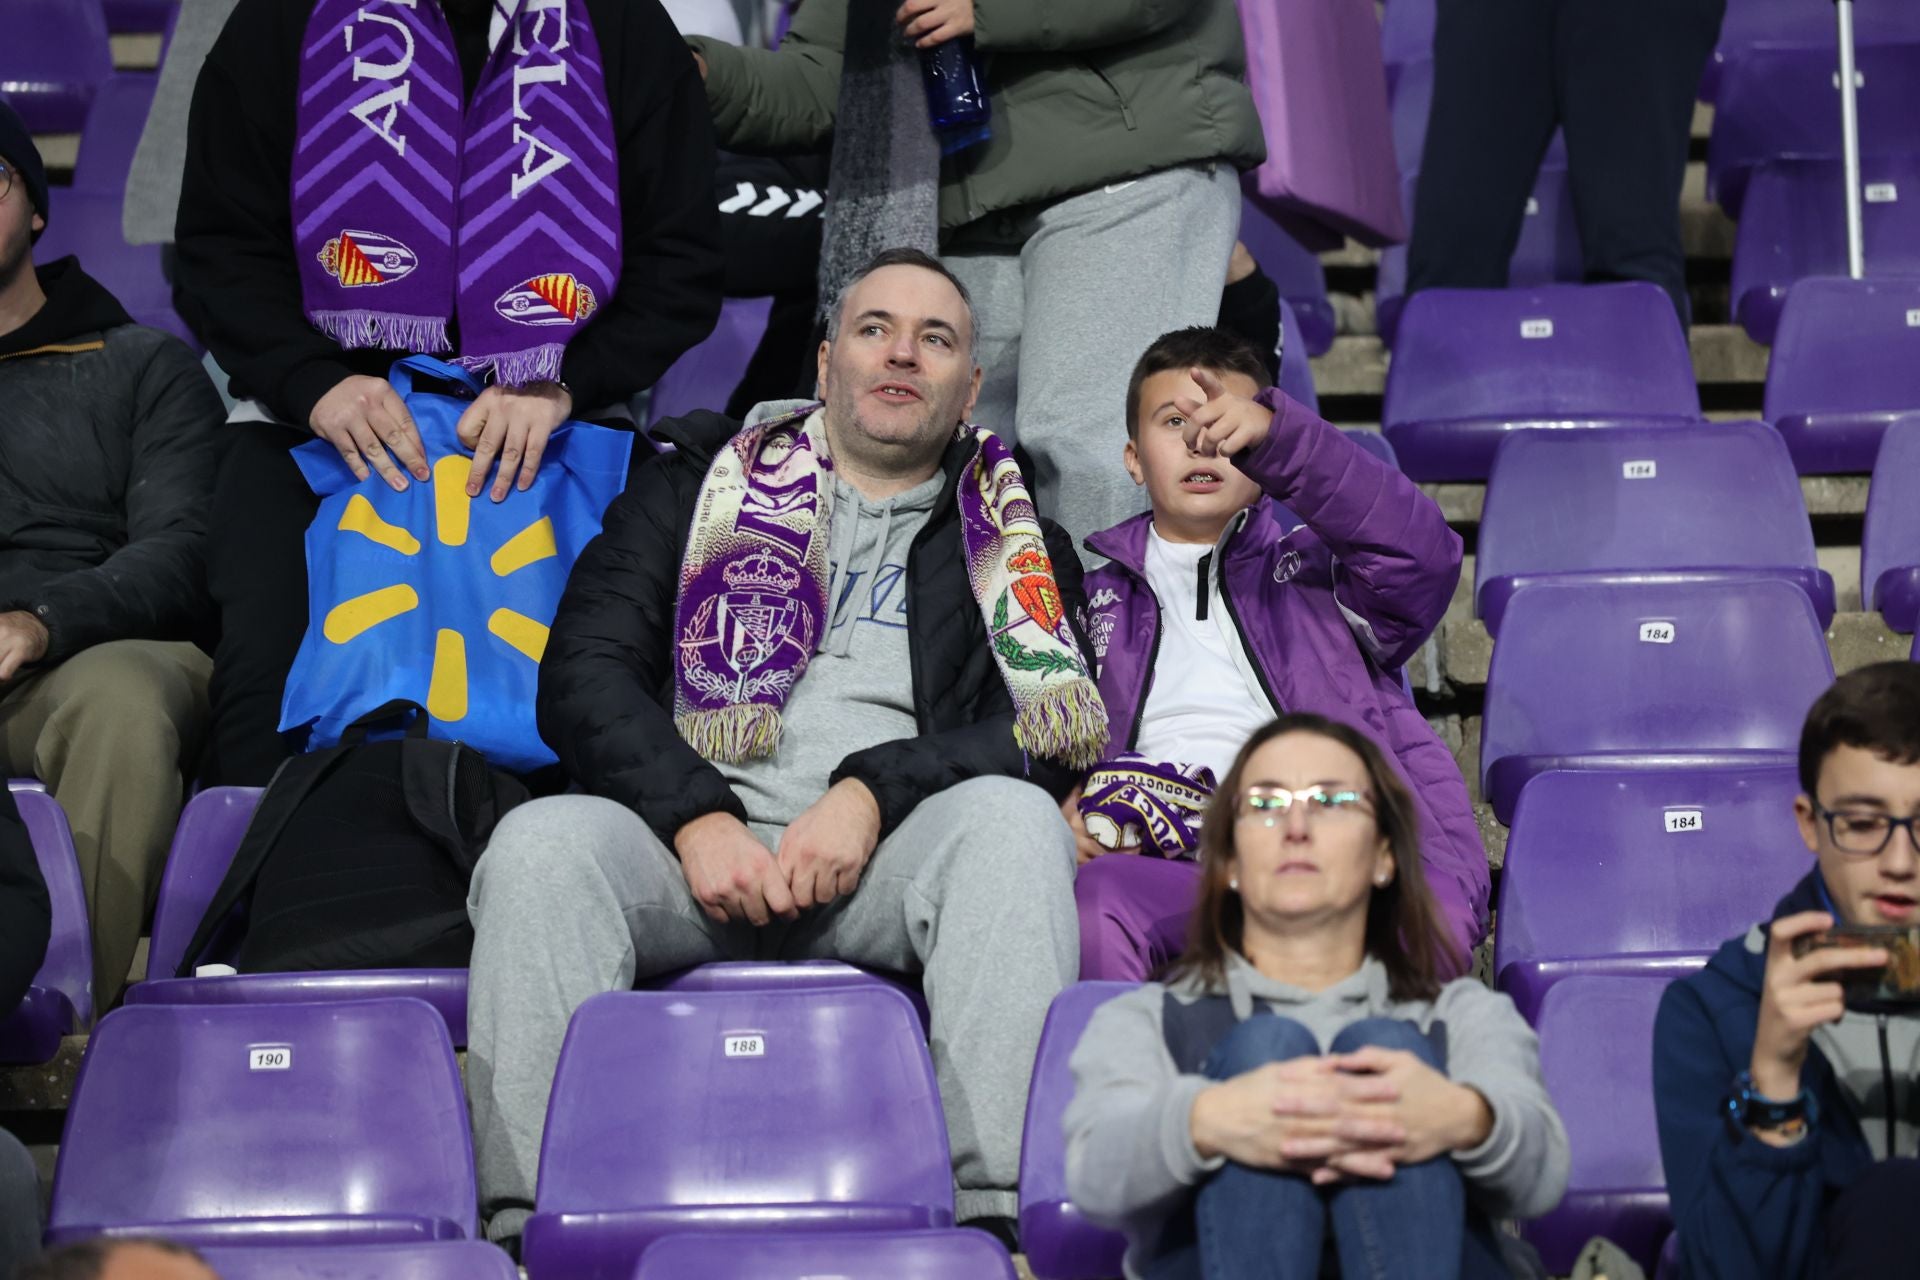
[(576, 896), (1064, 316)]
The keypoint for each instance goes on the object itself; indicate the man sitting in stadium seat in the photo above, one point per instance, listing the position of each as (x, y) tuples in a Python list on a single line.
[(1784, 1073), (106, 461), (810, 673), (1221, 609)]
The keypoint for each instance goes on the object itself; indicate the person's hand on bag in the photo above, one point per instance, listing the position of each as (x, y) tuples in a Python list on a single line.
[(365, 419), (512, 424)]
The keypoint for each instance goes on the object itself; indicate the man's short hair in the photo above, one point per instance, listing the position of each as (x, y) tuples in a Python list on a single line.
[(87, 1260), (907, 258), (1876, 708), (1202, 347)]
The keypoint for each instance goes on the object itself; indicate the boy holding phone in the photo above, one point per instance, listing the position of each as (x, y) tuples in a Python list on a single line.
[(1787, 1115), (1282, 568)]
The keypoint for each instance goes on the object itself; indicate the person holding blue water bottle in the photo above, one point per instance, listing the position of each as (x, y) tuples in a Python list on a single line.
[(1075, 163)]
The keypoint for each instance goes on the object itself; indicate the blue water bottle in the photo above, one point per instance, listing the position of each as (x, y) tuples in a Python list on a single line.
[(956, 94)]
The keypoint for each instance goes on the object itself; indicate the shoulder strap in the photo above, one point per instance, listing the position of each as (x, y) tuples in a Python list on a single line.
[(289, 788), (455, 796)]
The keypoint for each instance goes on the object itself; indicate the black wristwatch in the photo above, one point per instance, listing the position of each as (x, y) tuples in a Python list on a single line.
[(1748, 1109)]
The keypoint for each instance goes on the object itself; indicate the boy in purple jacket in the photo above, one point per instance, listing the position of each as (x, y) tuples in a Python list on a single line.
[(1282, 568)]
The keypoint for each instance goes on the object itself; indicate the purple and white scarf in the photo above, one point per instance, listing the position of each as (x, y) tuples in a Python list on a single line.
[(753, 595), (407, 211), (1131, 800)]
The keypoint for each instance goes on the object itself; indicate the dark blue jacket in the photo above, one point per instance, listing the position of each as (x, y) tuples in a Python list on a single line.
[(1744, 1209)]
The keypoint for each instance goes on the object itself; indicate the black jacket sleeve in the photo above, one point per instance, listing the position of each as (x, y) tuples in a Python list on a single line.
[(901, 774), (669, 292), (605, 700), (154, 587), (26, 919)]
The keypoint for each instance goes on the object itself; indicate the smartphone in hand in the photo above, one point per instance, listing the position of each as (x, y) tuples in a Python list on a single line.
[(1893, 988)]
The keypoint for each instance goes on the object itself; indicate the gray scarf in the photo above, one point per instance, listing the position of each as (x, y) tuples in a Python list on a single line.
[(883, 190)]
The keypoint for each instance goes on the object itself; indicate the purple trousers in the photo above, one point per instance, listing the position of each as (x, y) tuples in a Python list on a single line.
[(1133, 914)]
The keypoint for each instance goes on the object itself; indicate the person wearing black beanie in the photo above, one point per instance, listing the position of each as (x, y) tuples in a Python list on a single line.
[(22, 161)]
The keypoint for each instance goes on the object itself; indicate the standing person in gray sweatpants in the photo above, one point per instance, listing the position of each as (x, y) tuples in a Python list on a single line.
[(817, 678)]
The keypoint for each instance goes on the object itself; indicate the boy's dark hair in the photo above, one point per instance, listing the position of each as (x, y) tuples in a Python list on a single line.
[(88, 1259), (905, 258), (1203, 347), (1876, 708)]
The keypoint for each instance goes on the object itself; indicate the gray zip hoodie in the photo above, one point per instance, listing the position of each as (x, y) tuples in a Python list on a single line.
[(1131, 1162)]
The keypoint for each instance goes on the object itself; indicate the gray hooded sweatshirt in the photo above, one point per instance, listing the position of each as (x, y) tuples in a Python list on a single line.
[(1131, 1163)]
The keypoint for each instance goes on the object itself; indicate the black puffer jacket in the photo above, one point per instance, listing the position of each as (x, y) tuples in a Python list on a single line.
[(606, 683)]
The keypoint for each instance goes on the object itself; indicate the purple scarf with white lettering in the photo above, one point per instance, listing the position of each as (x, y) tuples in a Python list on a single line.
[(1156, 805), (407, 211)]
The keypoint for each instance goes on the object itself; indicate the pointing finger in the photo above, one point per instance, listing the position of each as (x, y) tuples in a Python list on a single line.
[(1209, 384)]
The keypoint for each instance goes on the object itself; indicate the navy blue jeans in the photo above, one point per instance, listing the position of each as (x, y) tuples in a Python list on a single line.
[(1255, 1224)]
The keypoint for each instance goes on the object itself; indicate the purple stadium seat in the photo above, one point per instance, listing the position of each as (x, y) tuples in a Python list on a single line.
[(1846, 362), (438, 1260), (1406, 35), (958, 1254), (1471, 365), (1295, 271), (1296, 368), (59, 1001), (273, 1124), (53, 59), (1794, 24), (140, 17), (784, 975), (203, 847), (1548, 251), (1060, 1244), (1680, 502), (705, 376), (1890, 545), (114, 123), (799, 1110), (1640, 872), (87, 224), (1779, 101), (1413, 103), (1596, 1051), (1654, 676), (1793, 225)]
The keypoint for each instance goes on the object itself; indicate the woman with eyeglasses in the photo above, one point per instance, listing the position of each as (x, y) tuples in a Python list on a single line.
[(1302, 1082)]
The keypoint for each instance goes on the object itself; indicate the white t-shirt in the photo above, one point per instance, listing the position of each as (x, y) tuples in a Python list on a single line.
[(1204, 700)]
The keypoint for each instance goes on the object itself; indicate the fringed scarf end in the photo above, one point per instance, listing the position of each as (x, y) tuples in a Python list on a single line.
[(731, 735), (1066, 723), (519, 368), (384, 331)]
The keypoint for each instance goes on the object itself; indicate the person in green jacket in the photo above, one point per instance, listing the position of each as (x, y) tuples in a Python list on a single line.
[(1099, 214)]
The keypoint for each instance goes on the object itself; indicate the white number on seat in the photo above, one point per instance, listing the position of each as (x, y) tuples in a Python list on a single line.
[(1640, 469), (1656, 633), (1684, 820), (269, 1057), (1542, 328), (1913, 318), (746, 1046), (1882, 193)]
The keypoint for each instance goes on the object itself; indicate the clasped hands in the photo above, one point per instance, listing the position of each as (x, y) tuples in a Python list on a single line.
[(1342, 1117), (367, 421), (734, 877)]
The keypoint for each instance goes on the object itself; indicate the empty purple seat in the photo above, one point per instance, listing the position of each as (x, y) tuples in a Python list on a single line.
[(1548, 251), (1471, 365), (1794, 24), (799, 1110), (1296, 368), (87, 225), (784, 975), (1679, 502), (1295, 271), (1406, 35), (272, 1124), (140, 17), (1651, 676), (209, 833), (1846, 362), (1596, 1052), (1640, 872), (59, 1001), (439, 1260), (54, 57), (1890, 545), (1777, 101), (958, 1254), (705, 375), (1793, 225), (114, 124), (1060, 1244)]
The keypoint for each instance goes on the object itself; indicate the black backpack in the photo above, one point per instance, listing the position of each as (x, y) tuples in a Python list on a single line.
[(359, 857)]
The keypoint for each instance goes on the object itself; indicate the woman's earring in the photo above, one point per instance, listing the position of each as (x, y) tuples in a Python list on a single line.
[(1382, 880), (1233, 883)]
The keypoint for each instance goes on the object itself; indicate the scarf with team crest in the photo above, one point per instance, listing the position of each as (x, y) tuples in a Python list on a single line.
[(753, 595), (1155, 804), (408, 211)]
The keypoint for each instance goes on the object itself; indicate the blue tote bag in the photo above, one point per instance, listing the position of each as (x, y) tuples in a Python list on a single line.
[(433, 597)]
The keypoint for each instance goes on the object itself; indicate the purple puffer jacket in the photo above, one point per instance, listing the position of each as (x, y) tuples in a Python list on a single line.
[(1329, 606)]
